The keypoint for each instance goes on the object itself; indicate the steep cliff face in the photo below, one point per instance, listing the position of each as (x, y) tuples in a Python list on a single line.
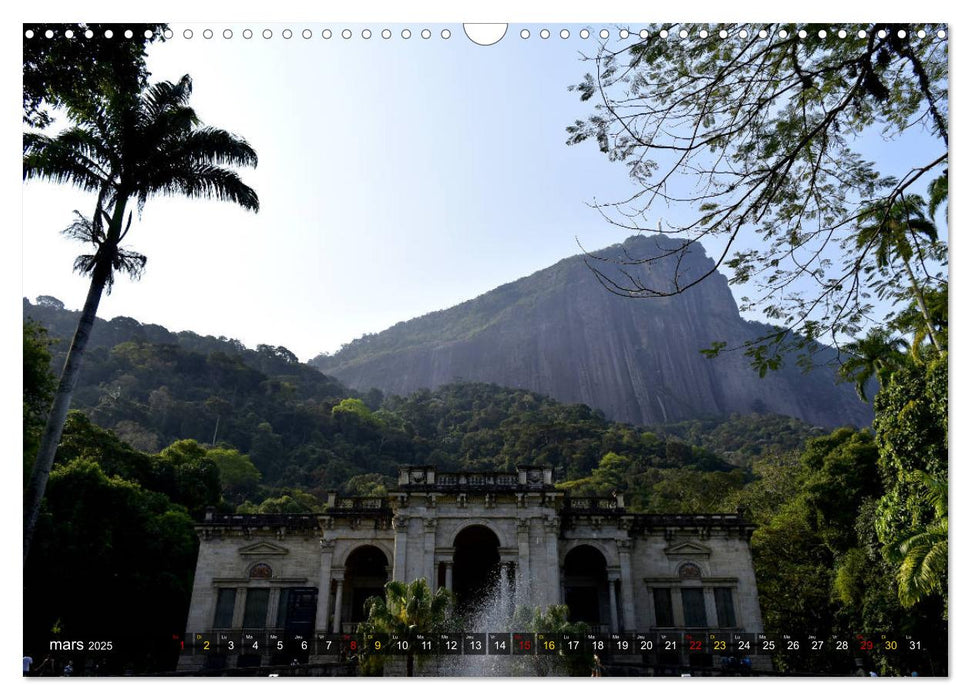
[(561, 333)]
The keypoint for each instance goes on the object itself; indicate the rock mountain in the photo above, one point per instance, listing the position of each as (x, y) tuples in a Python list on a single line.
[(560, 332)]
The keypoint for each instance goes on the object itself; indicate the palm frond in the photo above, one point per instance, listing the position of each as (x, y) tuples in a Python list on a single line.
[(163, 96), (83, 231), (937, 193), (202, 182), (54, 160), (211, 145), (121, 260)]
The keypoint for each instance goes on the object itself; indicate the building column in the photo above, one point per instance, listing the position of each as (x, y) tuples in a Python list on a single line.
[(338, 603), (239, 607), (711, 612), (273, 607), (322, 623), (523, 571), (612, 589), (651, 615), (448, 575), (430, 525), (677, 606), (552, 526), (626, 585), (400, 524)]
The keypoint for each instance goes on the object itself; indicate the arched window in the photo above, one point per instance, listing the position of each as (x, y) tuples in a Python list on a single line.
[(260, 570), (689, 570)]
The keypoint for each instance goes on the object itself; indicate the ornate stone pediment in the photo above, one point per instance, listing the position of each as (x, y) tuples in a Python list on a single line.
[(691, 550), (263, 549)]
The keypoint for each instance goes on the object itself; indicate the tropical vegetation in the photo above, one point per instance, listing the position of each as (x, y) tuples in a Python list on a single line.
[(126, 142)]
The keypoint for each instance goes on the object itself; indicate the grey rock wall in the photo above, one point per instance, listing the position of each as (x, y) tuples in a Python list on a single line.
[(560, 332)]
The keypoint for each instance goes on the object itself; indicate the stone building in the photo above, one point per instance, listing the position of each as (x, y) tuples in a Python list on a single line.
[(618, 571)]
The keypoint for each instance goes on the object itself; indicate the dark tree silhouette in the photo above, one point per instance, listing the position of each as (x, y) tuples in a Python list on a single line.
[(125, 146)]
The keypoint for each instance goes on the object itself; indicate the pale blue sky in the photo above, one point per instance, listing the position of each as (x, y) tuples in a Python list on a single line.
[(396, 177)]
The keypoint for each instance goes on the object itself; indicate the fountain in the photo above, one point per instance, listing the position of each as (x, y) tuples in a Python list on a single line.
[(502, 608)]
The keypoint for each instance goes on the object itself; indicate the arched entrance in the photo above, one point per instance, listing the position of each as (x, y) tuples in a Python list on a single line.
[(585, 584), (476, 566), (365, 573)]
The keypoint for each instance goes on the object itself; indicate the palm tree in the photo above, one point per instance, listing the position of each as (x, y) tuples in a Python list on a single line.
[(875, 355), (125, 147), (896, 232), (912, 321), (923, 569), (407, 609)]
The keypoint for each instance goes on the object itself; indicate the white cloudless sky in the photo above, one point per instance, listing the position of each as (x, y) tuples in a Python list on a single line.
[(396, 177)]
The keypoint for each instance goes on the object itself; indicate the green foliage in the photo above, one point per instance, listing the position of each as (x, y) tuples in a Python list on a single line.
[(155, 388), (840, 471), (194, 474), (818, 562), (82, 439), (107, 552), (184, 471), (406, 609), (687, 491), (876, 355), (744, 135), (794, 574), (911, 434), (369, 485), (125, 142), (554, 620), (743, 439), (922, 553), (237, 475), (60, 69), (39, 385), (288, 501)]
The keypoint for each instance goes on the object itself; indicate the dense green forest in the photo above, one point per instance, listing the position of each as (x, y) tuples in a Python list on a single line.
[(278, 427), (169, 424)]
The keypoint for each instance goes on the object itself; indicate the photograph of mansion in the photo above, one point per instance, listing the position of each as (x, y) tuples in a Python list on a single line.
[(617, 571)]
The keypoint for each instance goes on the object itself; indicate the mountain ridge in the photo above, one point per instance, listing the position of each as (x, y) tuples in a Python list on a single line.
[(559, 332)]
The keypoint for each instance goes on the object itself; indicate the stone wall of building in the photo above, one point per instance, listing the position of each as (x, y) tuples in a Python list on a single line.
[(618, 571)]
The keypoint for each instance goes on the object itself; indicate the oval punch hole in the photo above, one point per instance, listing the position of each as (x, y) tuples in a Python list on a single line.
[(485, 34)]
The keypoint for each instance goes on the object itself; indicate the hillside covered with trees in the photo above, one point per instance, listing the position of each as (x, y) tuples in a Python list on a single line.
[(293, 428)]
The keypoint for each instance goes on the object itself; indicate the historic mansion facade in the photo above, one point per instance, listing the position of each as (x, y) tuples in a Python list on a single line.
[(618, 571)]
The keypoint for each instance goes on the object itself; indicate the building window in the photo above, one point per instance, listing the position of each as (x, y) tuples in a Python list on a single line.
[(254, 614), (724, 607), (693, 604), (225, 604), (689, 570), (663, 614), (261, 571)]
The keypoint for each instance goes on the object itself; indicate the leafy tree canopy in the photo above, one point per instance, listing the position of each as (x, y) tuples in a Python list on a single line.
[(109, 551), (39, 387), (744, 132), (60, 67)]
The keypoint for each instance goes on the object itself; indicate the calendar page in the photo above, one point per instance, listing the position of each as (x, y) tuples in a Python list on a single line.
[(423, 349)]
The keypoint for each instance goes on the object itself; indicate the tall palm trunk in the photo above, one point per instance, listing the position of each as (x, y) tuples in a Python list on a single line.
[(919, 294), (68, 382)]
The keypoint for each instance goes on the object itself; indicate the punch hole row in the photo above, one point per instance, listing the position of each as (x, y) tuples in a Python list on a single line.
[(524, 34)]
